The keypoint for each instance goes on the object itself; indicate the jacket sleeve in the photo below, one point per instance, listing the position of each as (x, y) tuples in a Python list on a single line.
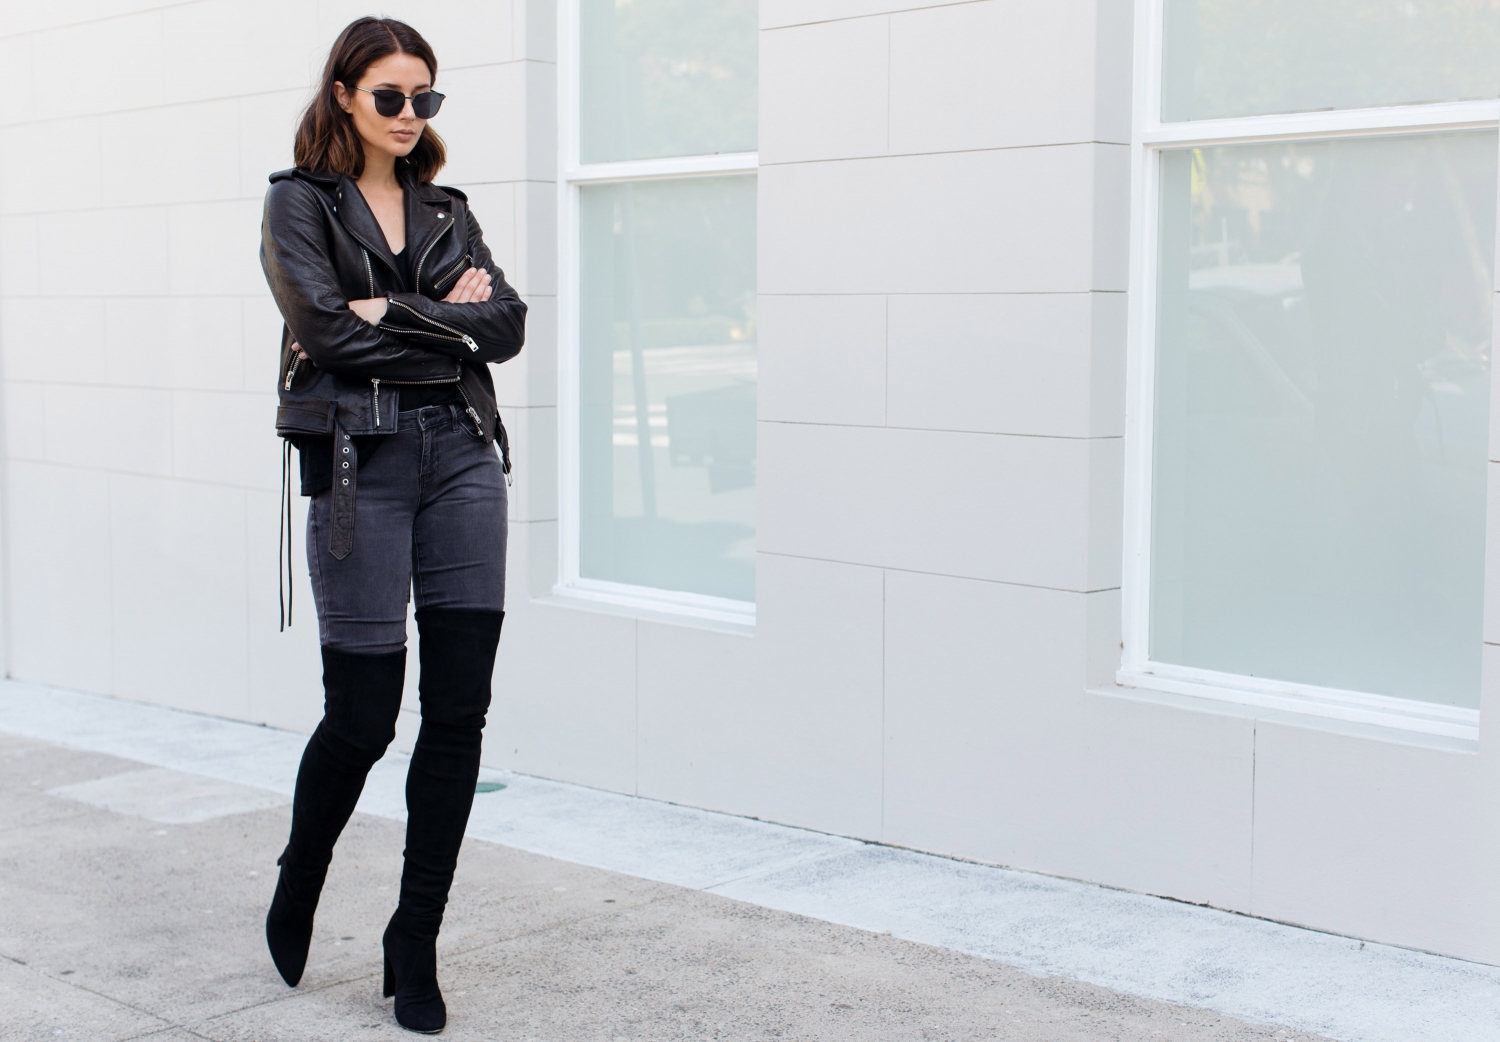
[(496, 327), (295, 256)]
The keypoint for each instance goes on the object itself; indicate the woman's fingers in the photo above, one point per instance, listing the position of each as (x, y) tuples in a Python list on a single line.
[(459, 293), (472, 287), (298, 348), (481, 291), (476, 279)]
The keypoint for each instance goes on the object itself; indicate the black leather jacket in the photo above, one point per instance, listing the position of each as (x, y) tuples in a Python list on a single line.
[(321, 247)]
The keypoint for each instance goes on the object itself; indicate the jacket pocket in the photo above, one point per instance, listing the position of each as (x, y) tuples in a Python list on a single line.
[(451, 275)]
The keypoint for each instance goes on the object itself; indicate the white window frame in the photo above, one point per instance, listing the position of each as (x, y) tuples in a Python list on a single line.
[(1150, 137), (573, 174)]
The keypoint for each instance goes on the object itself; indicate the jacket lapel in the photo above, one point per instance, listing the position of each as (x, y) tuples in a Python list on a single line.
[(428, 215), (359, 220)]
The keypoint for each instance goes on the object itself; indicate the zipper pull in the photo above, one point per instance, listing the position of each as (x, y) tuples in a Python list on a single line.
[(291, 373), (472, 347), (479, 427), (376, 382)]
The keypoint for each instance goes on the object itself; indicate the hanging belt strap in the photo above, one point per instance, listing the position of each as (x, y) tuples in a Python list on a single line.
[(284, 536), (345, 480)]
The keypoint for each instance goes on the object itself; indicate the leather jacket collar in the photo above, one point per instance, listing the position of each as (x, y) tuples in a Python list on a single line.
[(423, 225)]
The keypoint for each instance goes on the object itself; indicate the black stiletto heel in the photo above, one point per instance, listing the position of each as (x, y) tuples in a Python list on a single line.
[(389, 988)]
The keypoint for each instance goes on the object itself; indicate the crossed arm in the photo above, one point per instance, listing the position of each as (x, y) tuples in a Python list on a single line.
[(472, 287)]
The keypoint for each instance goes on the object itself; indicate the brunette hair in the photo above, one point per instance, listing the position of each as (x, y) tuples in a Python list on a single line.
[(327, 140)]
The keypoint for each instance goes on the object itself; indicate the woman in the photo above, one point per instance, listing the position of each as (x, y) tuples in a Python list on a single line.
[(393, 305)]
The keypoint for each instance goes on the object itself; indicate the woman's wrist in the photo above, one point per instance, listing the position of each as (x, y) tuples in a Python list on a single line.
[(371, 310)]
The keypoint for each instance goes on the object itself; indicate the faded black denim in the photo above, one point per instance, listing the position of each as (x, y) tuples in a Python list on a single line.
[(430, 520)]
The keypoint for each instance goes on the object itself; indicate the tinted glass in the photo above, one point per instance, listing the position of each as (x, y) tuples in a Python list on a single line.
[(1250, 57), (667, 78), (667, 385), (1322, 412)]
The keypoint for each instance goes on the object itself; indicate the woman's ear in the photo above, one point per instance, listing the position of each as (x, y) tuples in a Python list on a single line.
[(343, 95)]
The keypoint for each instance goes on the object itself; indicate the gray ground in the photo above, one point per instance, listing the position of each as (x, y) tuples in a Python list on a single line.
[(116, 927)]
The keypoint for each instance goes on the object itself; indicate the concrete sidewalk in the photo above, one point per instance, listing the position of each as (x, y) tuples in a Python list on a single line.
[(115, 926), (138, 857)]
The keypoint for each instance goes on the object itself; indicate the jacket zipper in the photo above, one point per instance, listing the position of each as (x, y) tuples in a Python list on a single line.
[(292, 371), (418, 279), (458, 333), (469, 408), (445, 276), (376, 399), (368, 273)]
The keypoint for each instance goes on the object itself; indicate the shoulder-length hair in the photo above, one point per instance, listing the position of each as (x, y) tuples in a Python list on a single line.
[(326, 139)]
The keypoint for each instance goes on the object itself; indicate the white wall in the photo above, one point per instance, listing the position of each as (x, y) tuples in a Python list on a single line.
[(943, 223), (140, 344)]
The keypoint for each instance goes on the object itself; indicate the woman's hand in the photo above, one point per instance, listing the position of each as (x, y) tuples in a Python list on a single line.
[(472, 287), (371, 310)]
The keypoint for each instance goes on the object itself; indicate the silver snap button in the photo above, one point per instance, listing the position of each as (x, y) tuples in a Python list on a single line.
[(441, 216)]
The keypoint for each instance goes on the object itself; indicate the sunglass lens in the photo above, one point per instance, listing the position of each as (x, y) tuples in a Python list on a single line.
[(389, 102), (426, 104)]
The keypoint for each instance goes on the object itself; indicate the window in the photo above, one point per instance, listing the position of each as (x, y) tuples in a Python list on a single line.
[(1310, 355), (659, 295)]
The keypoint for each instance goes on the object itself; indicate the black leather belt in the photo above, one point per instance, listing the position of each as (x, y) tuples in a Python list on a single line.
[(345, 474)]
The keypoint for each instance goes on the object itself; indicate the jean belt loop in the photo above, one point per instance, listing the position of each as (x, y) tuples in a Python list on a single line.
[(453, 417)]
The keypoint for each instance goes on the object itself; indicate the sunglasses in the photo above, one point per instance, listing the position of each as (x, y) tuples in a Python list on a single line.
[(390, 102)]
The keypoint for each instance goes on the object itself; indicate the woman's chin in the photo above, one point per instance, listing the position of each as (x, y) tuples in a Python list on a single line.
[(394, 146)]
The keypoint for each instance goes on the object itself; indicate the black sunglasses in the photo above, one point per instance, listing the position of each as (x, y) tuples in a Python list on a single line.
[(390, 102)]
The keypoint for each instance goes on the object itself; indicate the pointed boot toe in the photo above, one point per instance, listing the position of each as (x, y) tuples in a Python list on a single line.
[(289, 940), (289, 928)]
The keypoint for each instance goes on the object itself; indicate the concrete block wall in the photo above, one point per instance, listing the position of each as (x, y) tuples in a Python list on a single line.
[(944, 200), (140, 345), (944, 196)]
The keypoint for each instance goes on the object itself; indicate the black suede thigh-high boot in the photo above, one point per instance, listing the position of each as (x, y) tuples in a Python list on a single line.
[(361, 699), (458, 661)]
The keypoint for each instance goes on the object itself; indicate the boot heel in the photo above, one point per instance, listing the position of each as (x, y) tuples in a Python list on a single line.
[(389, 987), (411, 976)]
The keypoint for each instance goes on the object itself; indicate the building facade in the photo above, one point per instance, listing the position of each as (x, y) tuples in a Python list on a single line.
[(1055, 435)]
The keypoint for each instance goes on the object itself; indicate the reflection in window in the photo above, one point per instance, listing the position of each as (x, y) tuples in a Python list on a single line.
[(667, 384), (668, 78), (1252, 57), (1322, 410)]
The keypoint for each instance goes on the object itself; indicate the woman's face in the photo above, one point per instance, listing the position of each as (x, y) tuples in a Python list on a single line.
[(394, 135)]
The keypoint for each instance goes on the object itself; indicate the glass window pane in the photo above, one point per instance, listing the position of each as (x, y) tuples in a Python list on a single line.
[(667, 384), (1248, 57), (667, 78), (1322, 412)]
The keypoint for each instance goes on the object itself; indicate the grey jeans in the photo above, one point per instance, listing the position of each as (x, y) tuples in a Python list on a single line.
[(430, 517)]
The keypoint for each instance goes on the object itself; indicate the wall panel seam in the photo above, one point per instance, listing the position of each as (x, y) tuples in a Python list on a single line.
[(1029, 147), (962, 293), (939, 575), (938, 430), (878, 14), (146, 475)]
